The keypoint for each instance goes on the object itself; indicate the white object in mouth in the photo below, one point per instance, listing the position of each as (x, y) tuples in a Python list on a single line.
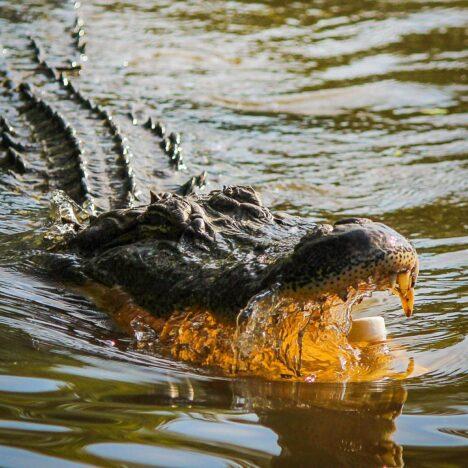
[(368, 329)]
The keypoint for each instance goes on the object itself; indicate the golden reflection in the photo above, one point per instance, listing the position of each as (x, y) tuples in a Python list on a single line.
[(335, 424), (293, 340)]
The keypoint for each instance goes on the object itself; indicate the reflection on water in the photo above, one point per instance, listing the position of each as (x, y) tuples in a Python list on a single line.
[(378, 96), (329, 109)]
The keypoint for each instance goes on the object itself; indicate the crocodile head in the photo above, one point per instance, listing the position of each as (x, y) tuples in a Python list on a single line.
[(333, 259)]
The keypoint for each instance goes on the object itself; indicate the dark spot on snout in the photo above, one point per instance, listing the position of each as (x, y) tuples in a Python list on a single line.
[(332, 253)]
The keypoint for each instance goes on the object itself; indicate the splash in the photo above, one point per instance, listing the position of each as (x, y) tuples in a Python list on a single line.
[(66, 217), (280, 337), (276, 336), (299, 337)]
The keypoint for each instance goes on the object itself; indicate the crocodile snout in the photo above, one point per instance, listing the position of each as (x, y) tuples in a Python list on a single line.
[(354, 251)]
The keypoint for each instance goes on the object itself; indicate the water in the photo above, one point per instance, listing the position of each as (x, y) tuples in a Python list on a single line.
[(328, 109)]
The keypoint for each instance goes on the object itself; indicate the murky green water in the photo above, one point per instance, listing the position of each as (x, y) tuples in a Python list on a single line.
[(328, 109)]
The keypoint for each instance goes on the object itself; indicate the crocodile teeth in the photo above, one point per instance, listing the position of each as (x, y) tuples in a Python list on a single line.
[(405, 291)]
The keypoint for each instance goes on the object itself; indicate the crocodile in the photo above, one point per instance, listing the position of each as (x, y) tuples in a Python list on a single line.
[(203, 271)]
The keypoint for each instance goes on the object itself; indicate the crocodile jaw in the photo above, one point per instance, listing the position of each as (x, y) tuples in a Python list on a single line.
[(351, 254)]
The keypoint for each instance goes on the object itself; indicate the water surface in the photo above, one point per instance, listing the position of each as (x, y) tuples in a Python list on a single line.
[(329, 109)]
